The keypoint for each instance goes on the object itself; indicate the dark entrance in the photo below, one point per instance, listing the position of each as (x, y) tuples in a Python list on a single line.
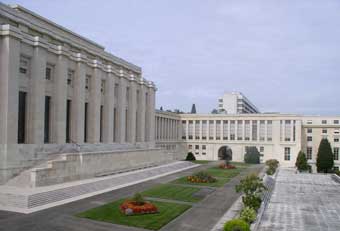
[(225, 153)]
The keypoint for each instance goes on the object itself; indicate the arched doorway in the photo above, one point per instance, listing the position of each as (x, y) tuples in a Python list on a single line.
[(225, 153)]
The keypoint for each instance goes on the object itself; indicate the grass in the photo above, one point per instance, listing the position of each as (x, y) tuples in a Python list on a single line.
[(173, 192), (223, 176), (111, 213), (201, 161)]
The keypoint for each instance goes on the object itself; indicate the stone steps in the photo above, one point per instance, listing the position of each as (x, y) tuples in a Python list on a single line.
[(27, 201)]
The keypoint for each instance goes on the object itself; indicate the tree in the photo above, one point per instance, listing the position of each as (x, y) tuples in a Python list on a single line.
[(324, 160), (252, 155), (193, 109), (301, 162), (214, 111), (190, 156), (161, 108)]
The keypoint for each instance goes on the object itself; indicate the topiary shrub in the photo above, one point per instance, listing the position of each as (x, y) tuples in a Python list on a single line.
[(301, 162), (272, 166), (138, 199), (324, 160), (190, 157), (252, 155), (248, 214), (236, 225)]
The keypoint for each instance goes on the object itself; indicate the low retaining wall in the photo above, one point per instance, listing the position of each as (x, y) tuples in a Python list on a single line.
[(77, 166)]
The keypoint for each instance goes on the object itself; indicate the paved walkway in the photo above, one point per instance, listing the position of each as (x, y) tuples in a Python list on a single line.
[(303, 202)]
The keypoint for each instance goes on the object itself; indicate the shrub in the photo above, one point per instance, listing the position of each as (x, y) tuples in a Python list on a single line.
[(252, 187), (190, 157), (236, 225), (272, 166), (301, 162), (337, 172), (138, 199), (248, 214), (324, 160), (252, 156)]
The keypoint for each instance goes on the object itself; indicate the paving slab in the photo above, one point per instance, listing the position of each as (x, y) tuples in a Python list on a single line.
[(301, 202)]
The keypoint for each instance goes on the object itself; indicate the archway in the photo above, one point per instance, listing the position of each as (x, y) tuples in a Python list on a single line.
[(225, 153)]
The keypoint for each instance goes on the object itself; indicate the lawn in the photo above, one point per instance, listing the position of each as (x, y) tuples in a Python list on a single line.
[(201, 161), (174, 192), (228, 173), (111, 213)]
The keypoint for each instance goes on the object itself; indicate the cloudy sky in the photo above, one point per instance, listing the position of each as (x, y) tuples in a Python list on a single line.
[(284, 55)]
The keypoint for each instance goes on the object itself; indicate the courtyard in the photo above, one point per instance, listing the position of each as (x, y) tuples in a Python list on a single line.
[(303, 202), (182, 205)]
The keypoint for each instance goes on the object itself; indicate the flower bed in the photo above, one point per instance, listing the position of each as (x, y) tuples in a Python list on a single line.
[(201, 177), (133, 208), (227, 166)]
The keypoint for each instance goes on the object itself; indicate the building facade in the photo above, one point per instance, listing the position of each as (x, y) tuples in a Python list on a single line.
[(235, 103), (58, 89), (276, 136)]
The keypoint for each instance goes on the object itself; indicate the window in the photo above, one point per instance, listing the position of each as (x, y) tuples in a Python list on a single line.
[(190, 146), (102, 87), (287, 153), (70, 76), (336, 121), (309, 138), (261, 149), (336, 154), (203, 153), (324, 121), (336, 140), (87, 82), (309, 130), (48, 74), (24, 65), (324, 131), (204, 147), (336, 168), (309, 153), (309, 122), (22, 117), (197, 147), (197, 153)]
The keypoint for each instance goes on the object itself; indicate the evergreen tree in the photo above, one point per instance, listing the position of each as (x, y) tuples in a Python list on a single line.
[(252, 155), (193, 109), (301, 162), (214, 111), (324, 160), (161, 108)]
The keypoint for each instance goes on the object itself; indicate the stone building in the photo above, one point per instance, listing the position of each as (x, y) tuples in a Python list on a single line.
[(62, 93)]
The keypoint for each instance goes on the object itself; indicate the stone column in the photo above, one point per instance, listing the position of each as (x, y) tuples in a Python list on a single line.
[(108, 116), (141, 114), (151, 114), (59, 97), (36, 101), (78, 101), (9, 91), (94, 105), (132, 109), (122, 110)]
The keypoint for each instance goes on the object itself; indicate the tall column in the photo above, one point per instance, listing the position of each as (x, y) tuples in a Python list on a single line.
[(108, 116), (37, 94), (151, 114), (94, 105), (78, 101), (122, 110), (9, 71), (141, 115), (132, 109), (59, 97)]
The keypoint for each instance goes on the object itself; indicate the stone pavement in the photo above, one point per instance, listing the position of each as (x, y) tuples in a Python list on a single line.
[(303, 202)]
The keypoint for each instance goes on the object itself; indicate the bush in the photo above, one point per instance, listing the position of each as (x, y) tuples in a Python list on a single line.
[(236, 225), (190, 157), (337, 172), (248, 214), (272, 166), (138, 199), (252, 156), (301, 162), (252, 187), (201, 177)]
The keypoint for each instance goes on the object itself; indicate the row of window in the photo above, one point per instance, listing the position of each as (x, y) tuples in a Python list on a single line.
[(324, 131), (309, 153), (323, 122), (310, 138)]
